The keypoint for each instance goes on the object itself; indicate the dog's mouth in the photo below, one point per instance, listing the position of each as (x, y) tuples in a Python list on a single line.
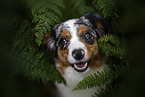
[(81, 67)]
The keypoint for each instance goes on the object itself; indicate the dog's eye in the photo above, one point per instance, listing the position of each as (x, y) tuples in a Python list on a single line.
[(88, 38), (63, 43)]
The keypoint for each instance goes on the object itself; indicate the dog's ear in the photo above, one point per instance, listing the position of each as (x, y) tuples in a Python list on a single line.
[(49, 40), (49, 43), (46, 40), (100, 25)]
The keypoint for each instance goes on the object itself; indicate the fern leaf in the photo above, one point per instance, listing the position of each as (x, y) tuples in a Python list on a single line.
[(120, 70), (110, 45), (108, 8), (82, 7), (45, 15), (32, 62), (98, 79)]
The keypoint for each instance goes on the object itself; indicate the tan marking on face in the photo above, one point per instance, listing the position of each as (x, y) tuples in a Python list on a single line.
[(63, 54), (62, 68), (93, 54), (66, 33), (96, 60), (62, 59), (99, 25), (82, 29)]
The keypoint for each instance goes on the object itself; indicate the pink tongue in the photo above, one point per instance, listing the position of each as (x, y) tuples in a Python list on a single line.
[(80, 64)]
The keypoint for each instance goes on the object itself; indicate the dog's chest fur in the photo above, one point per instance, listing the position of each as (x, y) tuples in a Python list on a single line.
[(72, 79)]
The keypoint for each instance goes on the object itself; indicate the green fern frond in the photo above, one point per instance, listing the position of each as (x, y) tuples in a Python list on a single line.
[(45, 15), (102, 92), (110, 45), (82, 7), (112, 38), (59, 3), (120, 70), (107, 92), (98, 79), (108, 8), (32, 63)]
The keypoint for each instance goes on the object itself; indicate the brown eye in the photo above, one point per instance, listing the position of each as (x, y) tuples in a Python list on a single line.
[(63, 43), (88, 36)]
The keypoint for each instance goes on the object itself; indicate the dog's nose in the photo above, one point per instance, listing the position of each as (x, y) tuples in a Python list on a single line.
[(78, 54)]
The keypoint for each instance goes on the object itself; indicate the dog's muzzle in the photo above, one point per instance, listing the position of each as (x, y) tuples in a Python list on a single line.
[(79, 67)]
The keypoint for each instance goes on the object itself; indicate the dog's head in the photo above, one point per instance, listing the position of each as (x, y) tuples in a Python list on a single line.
[(74, 42)]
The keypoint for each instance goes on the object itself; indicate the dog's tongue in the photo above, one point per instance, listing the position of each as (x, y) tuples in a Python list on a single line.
[(80, 65)]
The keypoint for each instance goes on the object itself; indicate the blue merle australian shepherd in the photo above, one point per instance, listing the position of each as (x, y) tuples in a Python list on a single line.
[(76, 52)]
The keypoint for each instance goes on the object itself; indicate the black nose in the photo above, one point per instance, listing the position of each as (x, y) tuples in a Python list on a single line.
[(78, 54)]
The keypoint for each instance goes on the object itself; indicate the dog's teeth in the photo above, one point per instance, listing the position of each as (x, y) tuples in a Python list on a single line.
[(75, 66), (80, 67), (85, 65)]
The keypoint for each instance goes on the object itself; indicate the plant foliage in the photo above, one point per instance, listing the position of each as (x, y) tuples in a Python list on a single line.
[(110, 45), (82, 7), (98, 79), (108, 8), (45, 14), (32, 62), (35, 63)]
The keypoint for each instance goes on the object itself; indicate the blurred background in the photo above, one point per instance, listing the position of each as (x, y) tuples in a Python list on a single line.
[(130, 24)]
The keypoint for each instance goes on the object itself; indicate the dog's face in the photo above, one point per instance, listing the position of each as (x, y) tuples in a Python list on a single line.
[(75, 43)]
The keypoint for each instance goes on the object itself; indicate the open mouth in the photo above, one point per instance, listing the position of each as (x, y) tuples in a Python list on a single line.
[(81, 67)]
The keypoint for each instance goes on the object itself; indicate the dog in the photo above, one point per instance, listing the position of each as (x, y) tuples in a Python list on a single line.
[(76, 53)]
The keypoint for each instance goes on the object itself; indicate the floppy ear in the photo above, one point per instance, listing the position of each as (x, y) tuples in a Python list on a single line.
[(100, 25), (46, 39), (49, 40), (49, 43)]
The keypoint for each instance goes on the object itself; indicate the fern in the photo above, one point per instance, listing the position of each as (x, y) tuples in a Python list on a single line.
[(108, 8), (100, 93), (82, 7), (111, 46), (101, 78), (35, 64), (32, 63), (45, 15), (120, 70), (107, 92), (98, 79)]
